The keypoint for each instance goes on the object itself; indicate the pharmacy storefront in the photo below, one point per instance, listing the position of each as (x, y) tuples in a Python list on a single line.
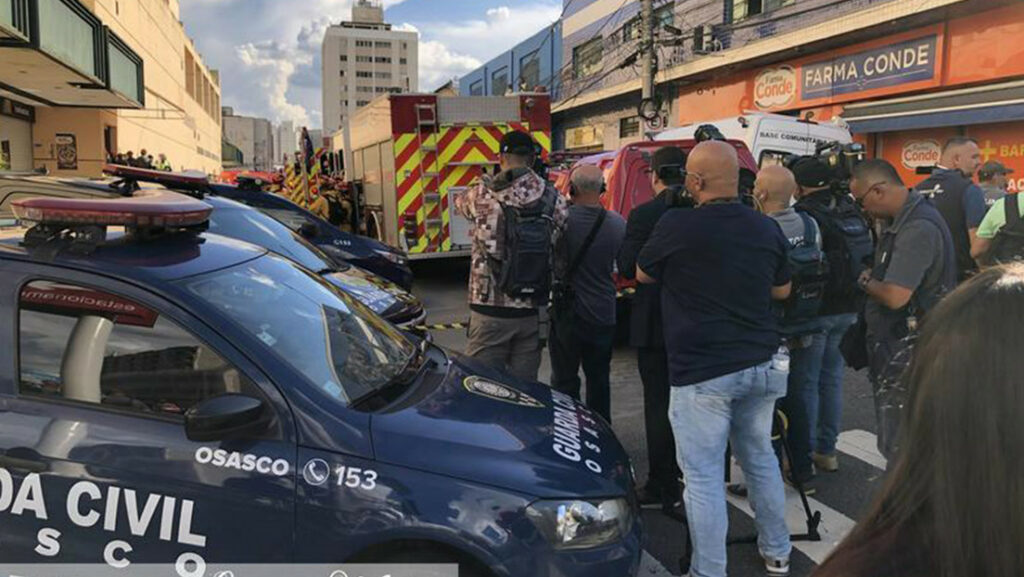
[(15, 135), (903, 95)]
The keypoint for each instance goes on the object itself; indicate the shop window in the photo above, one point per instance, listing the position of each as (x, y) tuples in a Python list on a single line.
[(742, 9), (629, 127), (586, 58), (499, 82), (529, 70), (125, 69), (71, 33), (85, 345)]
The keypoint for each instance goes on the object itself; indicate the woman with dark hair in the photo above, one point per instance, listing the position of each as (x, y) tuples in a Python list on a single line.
[(953, 504)]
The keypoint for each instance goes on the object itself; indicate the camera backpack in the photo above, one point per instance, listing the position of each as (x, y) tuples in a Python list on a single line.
[(849, 248), (525, 268), (809, 266)]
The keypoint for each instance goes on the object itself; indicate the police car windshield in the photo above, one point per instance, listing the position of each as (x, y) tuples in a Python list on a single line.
[(254, 227), (333, 340)]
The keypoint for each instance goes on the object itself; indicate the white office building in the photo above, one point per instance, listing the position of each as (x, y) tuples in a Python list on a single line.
[(363, 59)]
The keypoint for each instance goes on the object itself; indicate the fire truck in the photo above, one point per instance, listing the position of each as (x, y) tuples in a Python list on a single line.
[(413, 155)]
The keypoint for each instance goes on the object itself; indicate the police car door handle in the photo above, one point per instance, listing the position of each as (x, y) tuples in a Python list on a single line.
[(22, 464)]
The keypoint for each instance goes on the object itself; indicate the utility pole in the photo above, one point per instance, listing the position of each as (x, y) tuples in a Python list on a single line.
[(647, 48)]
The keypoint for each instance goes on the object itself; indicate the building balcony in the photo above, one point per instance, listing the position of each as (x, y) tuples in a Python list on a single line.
[(58, 53)]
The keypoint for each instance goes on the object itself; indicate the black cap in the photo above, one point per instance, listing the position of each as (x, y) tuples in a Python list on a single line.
[(668, 156), (517, 142), (811, 172)]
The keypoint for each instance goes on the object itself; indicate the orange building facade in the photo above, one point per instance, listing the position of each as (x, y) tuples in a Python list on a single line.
[(903, 95)]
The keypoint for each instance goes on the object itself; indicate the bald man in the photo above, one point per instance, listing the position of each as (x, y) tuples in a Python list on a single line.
[(813, 401), (583, 322), (721, 266)]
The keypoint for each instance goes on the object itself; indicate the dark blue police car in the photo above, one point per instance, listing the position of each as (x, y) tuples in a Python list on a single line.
[(366, 253), (171, 395)]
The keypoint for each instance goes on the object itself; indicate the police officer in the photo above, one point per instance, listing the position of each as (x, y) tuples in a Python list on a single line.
[(646, 329), (960, 202), (914, 268)]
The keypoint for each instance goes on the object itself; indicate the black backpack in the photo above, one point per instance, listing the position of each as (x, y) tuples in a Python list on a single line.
[(525, 268), (809, 267), (849, 249), (1008, 244)]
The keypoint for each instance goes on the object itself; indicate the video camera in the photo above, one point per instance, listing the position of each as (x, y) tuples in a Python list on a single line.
[(840, 158), (706, 132)]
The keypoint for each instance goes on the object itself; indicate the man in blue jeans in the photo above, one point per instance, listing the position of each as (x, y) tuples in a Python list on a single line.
[(720, 266), (815, 398)]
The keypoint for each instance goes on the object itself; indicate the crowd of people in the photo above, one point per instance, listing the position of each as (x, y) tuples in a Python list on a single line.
[(142, 160), (741, 312)]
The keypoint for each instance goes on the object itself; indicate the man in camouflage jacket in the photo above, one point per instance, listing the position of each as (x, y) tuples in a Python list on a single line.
[(504, 331)]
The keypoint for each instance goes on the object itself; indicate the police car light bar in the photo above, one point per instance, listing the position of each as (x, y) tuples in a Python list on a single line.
[(149, 208), (157, 176)]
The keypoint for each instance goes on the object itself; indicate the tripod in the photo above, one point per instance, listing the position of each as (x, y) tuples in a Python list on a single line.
[(780, 432)]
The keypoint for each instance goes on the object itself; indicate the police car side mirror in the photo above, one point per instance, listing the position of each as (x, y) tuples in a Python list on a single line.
[(229, 416)]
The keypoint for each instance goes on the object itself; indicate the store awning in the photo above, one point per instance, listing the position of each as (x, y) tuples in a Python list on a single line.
[(982, 105), (58, 53)]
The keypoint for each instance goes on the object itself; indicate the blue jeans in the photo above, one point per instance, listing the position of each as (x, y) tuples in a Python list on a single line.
[(814, 401), (736, 408)]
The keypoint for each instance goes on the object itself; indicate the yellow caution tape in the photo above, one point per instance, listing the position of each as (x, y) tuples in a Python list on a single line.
[(442, 326)]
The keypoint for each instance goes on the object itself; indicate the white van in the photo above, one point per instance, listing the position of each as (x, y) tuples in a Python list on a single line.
[(770, 137)]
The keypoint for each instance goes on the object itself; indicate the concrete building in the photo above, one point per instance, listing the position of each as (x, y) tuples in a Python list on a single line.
[(531, 63), (286, 142), (253, 137), (84, 79), (316, 136), (818, 57), (364, 58)]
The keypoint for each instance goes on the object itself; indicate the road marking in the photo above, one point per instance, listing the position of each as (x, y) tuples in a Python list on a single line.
[(861, 445), (833, 528), (650, 566)]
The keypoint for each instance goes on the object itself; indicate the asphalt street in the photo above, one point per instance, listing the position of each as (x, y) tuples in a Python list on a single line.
[(840, 497)]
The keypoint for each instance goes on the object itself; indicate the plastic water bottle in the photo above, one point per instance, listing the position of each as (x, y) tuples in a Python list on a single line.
[(780, 360)]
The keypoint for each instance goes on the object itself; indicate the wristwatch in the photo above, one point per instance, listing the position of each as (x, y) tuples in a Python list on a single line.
[(863, 282)]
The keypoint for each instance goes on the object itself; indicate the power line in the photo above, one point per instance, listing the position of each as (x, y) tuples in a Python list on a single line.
[(566, 66)]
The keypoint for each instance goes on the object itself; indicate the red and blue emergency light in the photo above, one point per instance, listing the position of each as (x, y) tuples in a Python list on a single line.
[(150, 175), (148, 208)]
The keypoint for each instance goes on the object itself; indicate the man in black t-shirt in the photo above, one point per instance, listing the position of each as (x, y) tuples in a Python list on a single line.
[(720, 267)]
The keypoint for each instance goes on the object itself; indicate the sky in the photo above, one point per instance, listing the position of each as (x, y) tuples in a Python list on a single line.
[(268, 51)]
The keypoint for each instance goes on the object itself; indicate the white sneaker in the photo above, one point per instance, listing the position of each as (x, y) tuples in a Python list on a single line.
[(776, 566)]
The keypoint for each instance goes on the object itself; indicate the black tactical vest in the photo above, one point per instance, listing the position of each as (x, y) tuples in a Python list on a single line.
[(946, 189)]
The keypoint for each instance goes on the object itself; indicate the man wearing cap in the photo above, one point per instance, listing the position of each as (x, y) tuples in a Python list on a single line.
[(646, 331), (504, 330), (815, 392), (992, 180)]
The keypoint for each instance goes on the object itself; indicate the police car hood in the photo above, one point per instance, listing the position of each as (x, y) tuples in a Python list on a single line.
[(482, 427)]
